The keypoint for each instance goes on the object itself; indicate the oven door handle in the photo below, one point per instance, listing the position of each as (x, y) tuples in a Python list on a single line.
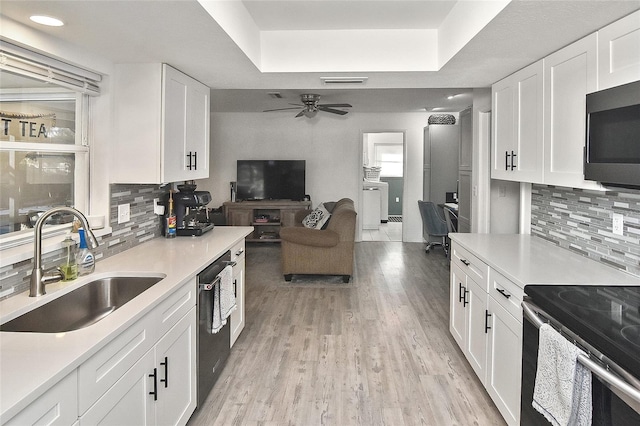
[(628, 392)]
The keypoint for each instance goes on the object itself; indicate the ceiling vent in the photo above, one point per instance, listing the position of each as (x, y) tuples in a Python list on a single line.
[(344, 80)]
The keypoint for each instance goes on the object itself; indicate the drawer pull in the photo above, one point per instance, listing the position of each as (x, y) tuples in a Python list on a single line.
[(239, 252), (465, 261), (154, 392), (166, 372), (486, 321), (504, 293)]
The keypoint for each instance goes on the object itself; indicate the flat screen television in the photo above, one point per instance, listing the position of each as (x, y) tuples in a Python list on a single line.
[(270, 180)]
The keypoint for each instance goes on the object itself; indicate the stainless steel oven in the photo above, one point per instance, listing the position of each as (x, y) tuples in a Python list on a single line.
[(604, 321)]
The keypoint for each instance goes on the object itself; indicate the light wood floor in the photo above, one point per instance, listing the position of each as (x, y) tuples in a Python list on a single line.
[(390, 231), (376, 351)]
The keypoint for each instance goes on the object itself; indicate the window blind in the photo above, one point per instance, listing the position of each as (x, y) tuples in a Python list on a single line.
[(27, 63)]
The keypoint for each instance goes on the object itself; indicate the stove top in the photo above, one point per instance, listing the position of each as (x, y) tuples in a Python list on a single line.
[(608, 317)]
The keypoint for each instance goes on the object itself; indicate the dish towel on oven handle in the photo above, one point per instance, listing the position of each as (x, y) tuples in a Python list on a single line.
[(224, 300), (562, 391)]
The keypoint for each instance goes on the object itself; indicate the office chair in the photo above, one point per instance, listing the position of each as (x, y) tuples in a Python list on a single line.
[(432, 226), (450, 217)]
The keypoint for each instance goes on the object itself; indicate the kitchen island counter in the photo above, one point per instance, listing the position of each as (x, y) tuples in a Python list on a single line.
[(30, 363)]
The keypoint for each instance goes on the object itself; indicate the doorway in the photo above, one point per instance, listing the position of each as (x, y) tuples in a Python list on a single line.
[(383, 155)]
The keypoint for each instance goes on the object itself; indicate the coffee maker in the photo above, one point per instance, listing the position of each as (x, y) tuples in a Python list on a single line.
[(192, 216)]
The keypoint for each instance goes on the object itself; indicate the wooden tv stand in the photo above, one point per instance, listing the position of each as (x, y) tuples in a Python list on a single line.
[(266, 217)]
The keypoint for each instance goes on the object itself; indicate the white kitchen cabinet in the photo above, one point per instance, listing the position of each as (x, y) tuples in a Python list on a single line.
[(468, 303), (569, 74), (114, 381), (162, 125), (484, 306), (175, 361), (516, 148), (160, 389), (467, 319), (504, 361), (128, 401), (238, 315), (57, 406), (619, 52)]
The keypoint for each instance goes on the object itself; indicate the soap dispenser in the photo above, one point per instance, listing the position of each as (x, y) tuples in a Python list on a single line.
[(69, 267), (84, 259)]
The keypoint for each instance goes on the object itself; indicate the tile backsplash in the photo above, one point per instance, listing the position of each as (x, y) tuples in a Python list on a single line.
[(144, 225), (581, 221)]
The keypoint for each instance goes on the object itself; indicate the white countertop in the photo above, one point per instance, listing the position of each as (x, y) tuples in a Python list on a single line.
[(526, 259), (30, 363)]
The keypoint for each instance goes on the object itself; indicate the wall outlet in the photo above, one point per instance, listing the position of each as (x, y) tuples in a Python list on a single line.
[(397, 199), (124, 213), (157, 208), (618, 224)]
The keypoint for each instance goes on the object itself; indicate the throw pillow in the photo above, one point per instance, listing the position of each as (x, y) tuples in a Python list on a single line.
[(317, 218)]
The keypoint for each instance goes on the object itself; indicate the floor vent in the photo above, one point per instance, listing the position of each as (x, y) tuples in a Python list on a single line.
[(395, 218)]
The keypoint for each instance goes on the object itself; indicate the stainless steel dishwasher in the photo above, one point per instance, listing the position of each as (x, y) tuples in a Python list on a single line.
[(212, 348)]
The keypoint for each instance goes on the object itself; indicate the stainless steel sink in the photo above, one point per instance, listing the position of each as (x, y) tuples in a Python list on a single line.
[(81, 307)]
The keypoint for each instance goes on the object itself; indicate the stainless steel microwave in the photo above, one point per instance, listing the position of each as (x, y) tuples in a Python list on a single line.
[(612, 149)]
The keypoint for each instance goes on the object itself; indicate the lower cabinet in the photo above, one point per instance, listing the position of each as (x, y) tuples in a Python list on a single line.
[(57, 406), (504, 362), (237, 316), (482, 322), (160, 389)]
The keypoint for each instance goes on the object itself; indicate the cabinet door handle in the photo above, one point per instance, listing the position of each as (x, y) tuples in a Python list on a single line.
[(465, 261), (465, 302), (460, 293), (166, 372), (513, 155), (235, 288), (154, 392), (486, 321), (506, 160), (189, 157), (195, 160), (502, 292)]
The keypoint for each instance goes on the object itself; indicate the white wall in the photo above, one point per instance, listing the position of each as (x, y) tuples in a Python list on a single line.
[(331, 146)]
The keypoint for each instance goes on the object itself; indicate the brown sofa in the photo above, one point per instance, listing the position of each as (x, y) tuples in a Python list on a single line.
[(321, 251)]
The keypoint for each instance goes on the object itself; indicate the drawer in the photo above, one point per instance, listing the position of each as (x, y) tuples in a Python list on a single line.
[(506, 293), (101, 371), (172, 309), (237, 251), (476, 269)]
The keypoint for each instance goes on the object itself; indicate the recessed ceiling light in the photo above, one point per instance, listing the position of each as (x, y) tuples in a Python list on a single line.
[(47, 20), (451, 97)]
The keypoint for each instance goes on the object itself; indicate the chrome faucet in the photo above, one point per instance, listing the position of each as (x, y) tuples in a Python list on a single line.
[(38, 277)]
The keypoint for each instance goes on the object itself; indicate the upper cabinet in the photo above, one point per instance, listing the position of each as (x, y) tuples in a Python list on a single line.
[(569, 74), (162, 125), (516, 148), (539, 112), (619, 52)]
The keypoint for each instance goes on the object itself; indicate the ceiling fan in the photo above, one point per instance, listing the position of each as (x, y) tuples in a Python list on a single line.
[(311, 106)]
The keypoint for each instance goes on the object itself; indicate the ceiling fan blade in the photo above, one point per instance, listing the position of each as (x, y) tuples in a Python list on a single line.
[(331, 110), (278, 109), (300, 114), (336, 105)]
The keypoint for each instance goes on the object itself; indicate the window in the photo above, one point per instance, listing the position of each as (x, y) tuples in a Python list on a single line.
[(390, 158), (43, 160), (44, 150)]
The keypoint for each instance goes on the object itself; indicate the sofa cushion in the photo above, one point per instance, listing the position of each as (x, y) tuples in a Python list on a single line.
[(317, 218), (309, 237)]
